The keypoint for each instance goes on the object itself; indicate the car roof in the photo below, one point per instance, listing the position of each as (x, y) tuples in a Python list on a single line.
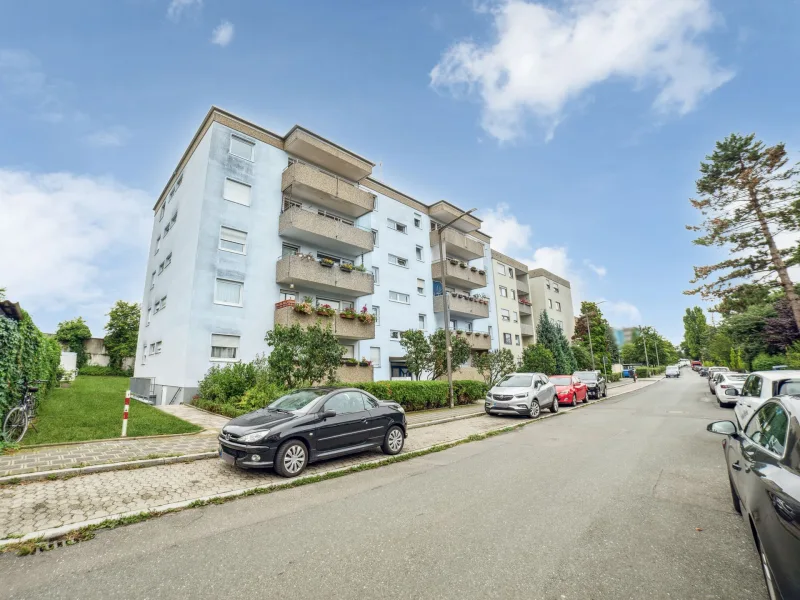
[(776, 375)]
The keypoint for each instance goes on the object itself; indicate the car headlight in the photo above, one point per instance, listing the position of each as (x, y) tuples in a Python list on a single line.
[(525, 395), (256, 436)]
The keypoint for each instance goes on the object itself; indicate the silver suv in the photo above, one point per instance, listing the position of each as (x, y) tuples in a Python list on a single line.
[(522, 394)]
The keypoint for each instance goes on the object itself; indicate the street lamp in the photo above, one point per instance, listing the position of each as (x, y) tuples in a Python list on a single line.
[(589, 328), (644, 340), (446, 303)]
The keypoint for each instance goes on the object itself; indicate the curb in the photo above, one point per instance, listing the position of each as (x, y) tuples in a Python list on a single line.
[(104, 440), (445, 420)]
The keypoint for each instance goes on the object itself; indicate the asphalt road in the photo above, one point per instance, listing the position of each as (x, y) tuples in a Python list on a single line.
[(625, 499)]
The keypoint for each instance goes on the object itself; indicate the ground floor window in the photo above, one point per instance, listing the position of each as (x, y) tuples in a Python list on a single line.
[(224, 347)]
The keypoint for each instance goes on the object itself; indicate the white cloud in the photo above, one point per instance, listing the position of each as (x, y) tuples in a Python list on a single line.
[(23, 79), (509, 236), (544, 56), (112, 137), (222, 34), (621, 314), (600, 271), (176, 8), (71, 242)]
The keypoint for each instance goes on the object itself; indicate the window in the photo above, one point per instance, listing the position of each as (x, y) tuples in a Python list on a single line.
[(752, 387), (453, 324), (161, 268), (224, 347), (396, 226), (513, 295), (349, 351), (501, 268), (346, 403), (173, 220), (417, 221), (560, 324), (768, 428), (289, 250), (516, 340), (504, 314), (236, 192), (158, 245), (504, 292), (168, 260), (515, 316), (394, 335), (163, 303), (375, 355), (510, 272), (376, 311), (167, 228), (558, 306), (376, 275), (399, 297), (491, 333), (161, 212), (152, 348), (422, 322), (419, 253), (287, 295), (158, 347), (175, 188), (241, 148), (144, 354), (396, 260), (421, 287), (232, 240), (228, 292), (469, 326), (153, 280), (375, 237), (507, 339), (550, 302), (149, 314), (555, 288), (158, 305), (547, 283)]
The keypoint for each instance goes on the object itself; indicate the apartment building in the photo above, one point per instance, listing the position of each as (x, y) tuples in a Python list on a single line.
[(515, 324), (551, 293), (252, 223)]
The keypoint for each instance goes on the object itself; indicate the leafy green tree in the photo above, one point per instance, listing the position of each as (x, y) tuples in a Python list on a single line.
[(73, 334), (765, 362), (459, 355), (612, 348), (551, 337), (303, 356), (748, 194), (494, 365), (695, 332), (600, 331), (418, 352), (583, 360), (793, 356), (720, 346), (122, 332), (743, 297), (538, 359)]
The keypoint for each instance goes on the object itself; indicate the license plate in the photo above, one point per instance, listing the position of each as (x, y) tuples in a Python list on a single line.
[(231, 460)]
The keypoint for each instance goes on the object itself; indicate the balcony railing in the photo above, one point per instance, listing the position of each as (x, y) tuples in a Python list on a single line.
[(526, 329), (522, 286), (457, 244), (324, 229), (460, 274), (525, 309), (465, 307), (349, 328), (310, 183), (477, 340), (306, 270)]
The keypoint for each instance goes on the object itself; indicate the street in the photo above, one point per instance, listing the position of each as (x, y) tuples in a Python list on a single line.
[(627, 498)]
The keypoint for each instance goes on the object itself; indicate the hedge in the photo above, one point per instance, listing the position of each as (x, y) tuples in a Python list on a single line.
[(612, 377), (26, 354), (96, 371), (423, 395)]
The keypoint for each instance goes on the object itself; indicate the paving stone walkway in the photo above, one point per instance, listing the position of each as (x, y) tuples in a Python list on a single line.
[(40, 505)]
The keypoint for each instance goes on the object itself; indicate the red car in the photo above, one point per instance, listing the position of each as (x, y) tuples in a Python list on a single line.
[(570, 390)]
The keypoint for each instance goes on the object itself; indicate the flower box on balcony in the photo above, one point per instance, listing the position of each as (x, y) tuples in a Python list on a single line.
[(348, 314), (453, 261), (481, 272), (326, 262), (463, 265), (326, 310), (474, 269), (346, 267), (303, 308), (349, 362)]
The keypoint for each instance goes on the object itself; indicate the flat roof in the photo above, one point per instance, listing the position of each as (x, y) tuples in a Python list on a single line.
[(545, 273)]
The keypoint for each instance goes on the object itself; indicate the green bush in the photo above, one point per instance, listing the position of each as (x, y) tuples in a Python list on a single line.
[(95, 371), (765, 362), (642, 372), (423, 395), (612, 377)]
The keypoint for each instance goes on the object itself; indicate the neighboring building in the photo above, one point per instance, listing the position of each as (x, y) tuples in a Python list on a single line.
[(553, 294), (252, 222), (515, 328), (96, 353), (624, 335)]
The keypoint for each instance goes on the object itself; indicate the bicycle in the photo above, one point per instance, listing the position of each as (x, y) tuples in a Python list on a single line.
[(15, 425)]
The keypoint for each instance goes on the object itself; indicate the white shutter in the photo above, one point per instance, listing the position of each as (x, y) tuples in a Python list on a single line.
[(241, 148), (228, 292), (237, 192), (375, 356)]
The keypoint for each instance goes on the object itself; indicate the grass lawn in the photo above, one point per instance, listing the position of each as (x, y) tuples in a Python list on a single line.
[(91, 409)]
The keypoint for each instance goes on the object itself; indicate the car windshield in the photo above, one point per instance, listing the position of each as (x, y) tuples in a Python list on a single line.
[(516, 381), (736, 377), (296, 400), (789, 387), (560, 380), (586, 375)]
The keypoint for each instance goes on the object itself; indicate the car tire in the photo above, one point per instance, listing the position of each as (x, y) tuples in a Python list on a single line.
[(574, 400), (487, 412), (535, 410), (394, 441), (291, 459), (554, 405), (586, 398), (737, 505), (605, 392), (769, 577)]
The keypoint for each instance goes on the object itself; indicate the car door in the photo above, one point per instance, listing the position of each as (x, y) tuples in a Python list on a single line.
[(580, 389), (546, 391), (348, 427), (750, 400), (378, 421)]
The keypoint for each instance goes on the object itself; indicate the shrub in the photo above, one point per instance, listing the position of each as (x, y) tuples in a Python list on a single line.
[(765, 362), (642, 372), (612, 377), (227, 384), (96, 371), (422, 395)]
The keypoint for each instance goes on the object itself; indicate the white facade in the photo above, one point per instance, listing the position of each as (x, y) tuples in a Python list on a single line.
[(552, 294)]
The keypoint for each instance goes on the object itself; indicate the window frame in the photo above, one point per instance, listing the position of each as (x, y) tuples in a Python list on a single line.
[(241, 291), (243, 139), (398, 294), (505, 317), (420, 253), (376, 275), (376, 312), (420, 293), (220, 359), (503, 289), (249, 196), (391, 335), (423, 322), (418, 220), (771, 402), (392, 224), (397, 260), (219, 243), (507, 336)]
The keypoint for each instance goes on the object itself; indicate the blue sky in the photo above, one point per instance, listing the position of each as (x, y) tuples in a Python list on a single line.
[(575, 126)]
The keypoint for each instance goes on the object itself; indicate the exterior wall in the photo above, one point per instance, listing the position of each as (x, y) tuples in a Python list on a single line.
[(541, 296), (510, 303)]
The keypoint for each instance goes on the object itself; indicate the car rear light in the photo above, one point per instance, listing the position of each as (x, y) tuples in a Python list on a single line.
[(725, 387)]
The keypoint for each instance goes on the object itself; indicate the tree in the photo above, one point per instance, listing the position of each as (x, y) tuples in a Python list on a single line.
[(748, 196), (418, 352), (582, 358), (459, 356), (73, 334), (551, 337), (780, 331), (611, 345), (793, 356), (538, 359), (303, 356), (494, 365), (695, 332), (122, 332), (599, 329), (743, 297)]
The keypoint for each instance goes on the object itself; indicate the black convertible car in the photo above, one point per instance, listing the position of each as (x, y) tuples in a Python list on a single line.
[(312, 424), (764, 471)]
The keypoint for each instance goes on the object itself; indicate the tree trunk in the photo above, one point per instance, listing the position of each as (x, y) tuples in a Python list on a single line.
[(777, 260)]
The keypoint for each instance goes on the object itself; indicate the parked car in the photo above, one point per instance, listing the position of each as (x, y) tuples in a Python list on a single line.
[(570, 389), (763, 464), (696, 364), (712, 374), (595, 382), (312, 424), (728, 381), (703, 371), (522, 394), (672, 371), (759, 387)]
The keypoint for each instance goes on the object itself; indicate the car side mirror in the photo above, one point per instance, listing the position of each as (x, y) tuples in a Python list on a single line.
[(731, 392), (722, 428), (328, 414)]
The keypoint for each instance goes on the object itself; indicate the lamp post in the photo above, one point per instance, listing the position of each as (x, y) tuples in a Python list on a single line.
[(446, 303), (589, 328), (644, 339)]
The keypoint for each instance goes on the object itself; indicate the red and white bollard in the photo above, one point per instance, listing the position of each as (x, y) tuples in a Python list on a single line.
[(125, 413)]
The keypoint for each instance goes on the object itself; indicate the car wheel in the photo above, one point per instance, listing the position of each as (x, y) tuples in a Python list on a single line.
[(394, 440), (737, 505), (535, 410), (574, 399), (291, 458), (586, 398), (765, 568), (605, 392), (554, 405)]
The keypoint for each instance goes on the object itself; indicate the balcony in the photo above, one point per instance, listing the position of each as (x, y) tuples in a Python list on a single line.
[(324, 231), (354, 374), (526, 329), (320, 151), (524, 309), (304, 182), (304, 270), (445, 212), (522, 286), (462, 308), (458, 276), (458, 244), (476, 339), (349, 329)]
